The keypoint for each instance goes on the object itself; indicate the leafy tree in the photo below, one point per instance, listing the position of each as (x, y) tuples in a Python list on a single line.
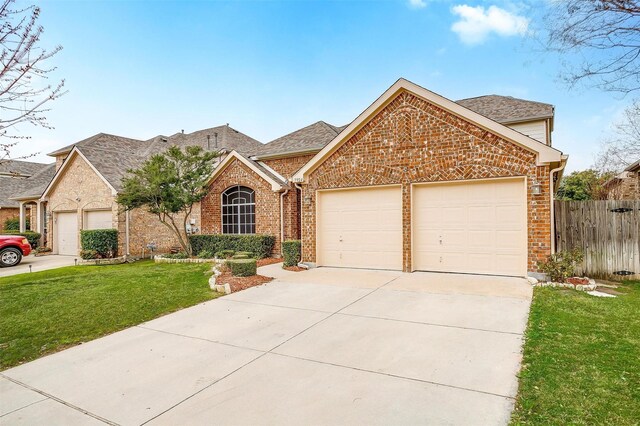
[(604, 33), (168, 185), (583, 185), (24, 92)]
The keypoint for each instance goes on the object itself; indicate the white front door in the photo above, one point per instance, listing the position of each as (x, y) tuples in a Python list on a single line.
[(66, 233), (473, 227), (360, 228)]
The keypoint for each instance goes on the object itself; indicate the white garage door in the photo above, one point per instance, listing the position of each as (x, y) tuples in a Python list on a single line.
[(472, 227), (98, 219), (66, 233), (360, 228)]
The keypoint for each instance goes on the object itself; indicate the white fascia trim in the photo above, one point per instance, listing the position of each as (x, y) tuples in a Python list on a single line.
[(275, 186), (67, 161), (545, 154)]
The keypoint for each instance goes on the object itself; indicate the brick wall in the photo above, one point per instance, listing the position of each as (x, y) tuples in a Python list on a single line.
[(8, 213), (288, 166), (267, 202), (79, 189), (411, 140), (627, 188)]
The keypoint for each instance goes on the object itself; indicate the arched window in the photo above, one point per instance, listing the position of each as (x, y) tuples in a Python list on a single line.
[(239, 210)]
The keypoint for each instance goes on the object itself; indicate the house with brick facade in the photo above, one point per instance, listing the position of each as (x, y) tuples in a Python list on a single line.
[(625, 185), (17, 176), (415, 182)]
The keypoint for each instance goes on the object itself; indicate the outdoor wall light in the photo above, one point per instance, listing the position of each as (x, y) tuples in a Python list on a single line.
[(536, 188)]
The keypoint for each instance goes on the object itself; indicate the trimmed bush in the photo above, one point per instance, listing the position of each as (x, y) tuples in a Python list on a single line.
[(33, 237), (245, 253), (205, 254), (258, 244), (178, 255), (240, 256), (291, 250), (103, 241), (13, 224), (242, 267), (89, 254), (225, 254)]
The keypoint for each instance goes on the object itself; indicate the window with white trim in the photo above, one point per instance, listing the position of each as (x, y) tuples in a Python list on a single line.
[(239, 210)]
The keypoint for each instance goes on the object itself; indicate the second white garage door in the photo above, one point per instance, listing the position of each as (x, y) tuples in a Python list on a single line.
[(98, 219), (66, 233), (471, 227), (360, 228)]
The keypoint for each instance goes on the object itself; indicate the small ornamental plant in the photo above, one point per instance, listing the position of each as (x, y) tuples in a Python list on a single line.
[(560, 266)]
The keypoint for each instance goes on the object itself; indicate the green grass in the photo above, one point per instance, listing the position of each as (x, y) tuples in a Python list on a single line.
[(47, 311), (581, 359)]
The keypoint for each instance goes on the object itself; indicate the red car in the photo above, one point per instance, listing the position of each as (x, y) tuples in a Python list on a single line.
[(12, 248)]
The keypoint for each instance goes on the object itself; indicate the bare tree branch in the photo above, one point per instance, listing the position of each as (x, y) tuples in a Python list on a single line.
[(606, 34), (623, 148), (24, 89)]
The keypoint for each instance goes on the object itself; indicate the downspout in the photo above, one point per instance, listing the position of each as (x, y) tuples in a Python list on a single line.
[(551, 211), (282, 194), (297, 185), (126, 232)]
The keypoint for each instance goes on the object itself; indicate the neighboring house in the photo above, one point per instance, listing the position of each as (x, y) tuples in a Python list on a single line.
[(626, 185), (15, 176), (415, 182)]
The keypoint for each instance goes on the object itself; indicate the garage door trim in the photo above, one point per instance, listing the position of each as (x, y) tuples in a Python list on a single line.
[(317, 194), (524, 180)]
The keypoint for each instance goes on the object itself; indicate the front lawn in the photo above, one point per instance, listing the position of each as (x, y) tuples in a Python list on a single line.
[(44, 312), (581, 359)]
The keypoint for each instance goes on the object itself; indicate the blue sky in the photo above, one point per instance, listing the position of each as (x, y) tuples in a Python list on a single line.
[(139, 69)]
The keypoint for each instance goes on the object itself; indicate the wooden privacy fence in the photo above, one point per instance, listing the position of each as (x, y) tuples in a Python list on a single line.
[(608, 233)]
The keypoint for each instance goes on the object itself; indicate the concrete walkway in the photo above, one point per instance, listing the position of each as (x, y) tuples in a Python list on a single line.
[(40, 263), (325, 346)]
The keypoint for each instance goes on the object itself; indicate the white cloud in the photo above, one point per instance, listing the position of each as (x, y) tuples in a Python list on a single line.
[(417, 4), (476, 23)]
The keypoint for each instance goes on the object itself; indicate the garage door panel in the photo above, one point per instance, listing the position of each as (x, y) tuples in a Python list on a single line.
[(98, 219), (66, 233), (360, 228), (481, 228)]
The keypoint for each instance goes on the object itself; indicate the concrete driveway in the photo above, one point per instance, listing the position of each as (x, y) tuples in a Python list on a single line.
[(40, 263), (326, 346)]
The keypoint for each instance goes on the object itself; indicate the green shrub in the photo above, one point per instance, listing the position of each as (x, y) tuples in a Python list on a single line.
[(258, 244), (13, 224), (103, 241), (179, 255), (562, 265), (240, 256), (246, 253), (291, 250), (225, 254), (33, 237), (242, 267), (89, 254), (205, 254)]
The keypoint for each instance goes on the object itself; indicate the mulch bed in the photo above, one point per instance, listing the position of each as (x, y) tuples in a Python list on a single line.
[(294, 268), (269, 261), (241, 283)]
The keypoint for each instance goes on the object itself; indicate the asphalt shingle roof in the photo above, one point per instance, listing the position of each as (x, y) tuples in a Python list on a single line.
[(31, 187), (506, 109), (309, 138), (20, 168)]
